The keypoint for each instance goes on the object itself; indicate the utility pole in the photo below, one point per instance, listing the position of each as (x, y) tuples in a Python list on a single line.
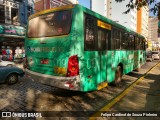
[(91, 4)]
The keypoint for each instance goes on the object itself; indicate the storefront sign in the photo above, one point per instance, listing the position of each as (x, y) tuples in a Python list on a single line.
[(12, 30)]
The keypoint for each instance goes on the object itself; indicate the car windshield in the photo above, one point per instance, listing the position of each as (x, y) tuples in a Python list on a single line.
[(154, 52), (148, 53)]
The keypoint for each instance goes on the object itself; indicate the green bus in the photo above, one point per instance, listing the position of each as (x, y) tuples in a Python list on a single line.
[(74, 48)]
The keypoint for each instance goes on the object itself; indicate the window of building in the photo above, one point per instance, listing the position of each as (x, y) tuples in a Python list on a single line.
[(7, 14), (2, 16), (14, 16)]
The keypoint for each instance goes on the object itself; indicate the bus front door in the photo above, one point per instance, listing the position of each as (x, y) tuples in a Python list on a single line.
[(103, 36)]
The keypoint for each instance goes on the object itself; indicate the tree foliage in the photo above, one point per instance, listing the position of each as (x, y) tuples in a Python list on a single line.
[(140, 3)]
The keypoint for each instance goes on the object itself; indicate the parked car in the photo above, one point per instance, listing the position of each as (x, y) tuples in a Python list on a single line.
[(149, 56), (10, 75), (155, 55), (7, 63)]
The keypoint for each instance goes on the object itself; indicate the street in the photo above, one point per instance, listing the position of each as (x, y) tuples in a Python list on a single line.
[(79, 45), (28, 95)]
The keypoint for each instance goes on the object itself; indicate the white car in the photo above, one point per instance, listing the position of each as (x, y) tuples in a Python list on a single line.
[(155, 55), (6, 63), (149, 56)]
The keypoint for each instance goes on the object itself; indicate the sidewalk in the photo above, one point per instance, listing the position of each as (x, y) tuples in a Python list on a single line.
[(144, 96)]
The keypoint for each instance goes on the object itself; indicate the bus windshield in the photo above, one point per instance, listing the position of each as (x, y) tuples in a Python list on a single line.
[(52, 24)]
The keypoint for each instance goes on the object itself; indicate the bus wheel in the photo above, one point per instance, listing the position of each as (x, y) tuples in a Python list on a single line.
[(118, 76)]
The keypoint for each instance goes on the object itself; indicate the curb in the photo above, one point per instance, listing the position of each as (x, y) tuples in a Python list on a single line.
[(121, 95)]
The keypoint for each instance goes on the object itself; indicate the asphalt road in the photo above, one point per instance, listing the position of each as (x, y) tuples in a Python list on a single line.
[(28, 95)]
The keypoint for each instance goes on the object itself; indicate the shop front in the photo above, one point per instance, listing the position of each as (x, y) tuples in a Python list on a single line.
[(12, 43)]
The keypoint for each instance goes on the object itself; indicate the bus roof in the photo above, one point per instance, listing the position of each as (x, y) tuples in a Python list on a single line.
[(110, 21), (52, 9), (89, 12)]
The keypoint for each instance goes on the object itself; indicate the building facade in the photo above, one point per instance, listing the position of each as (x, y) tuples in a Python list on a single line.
[(15, 12), (153, 29), (159, 31), (142, 21), (40, 5), (103, 7), (26, 8), (46, 4), (13, 19), (153, 33), (128, 20)]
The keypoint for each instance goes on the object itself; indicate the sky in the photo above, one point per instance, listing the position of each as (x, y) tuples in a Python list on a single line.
[(151, 6), (85, 3)]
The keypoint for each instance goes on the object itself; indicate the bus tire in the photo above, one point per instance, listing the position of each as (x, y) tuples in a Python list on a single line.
[(118, 76), (138, 69)]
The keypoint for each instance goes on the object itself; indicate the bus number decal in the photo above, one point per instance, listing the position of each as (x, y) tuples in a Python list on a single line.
[(45, 49), (103, 25)]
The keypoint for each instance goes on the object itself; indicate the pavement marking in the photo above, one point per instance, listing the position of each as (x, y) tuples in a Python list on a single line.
[(120, 96), (102, 86)]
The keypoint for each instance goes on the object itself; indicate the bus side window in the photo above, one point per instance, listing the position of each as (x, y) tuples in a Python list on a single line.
[(145, 45), (124, 41), (89, 33), (141, 44), (131, 42), (116, 39), (102, 39), (137, 43)]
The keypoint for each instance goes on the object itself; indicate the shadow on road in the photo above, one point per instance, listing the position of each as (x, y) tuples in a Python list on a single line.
[(66, 93), (135, 74), (153, 94), (27, 95)]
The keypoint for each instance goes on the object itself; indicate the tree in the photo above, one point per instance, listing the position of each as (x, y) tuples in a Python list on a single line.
[(140, 3)]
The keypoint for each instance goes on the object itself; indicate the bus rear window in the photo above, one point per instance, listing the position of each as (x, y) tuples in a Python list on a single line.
[(51, 24)]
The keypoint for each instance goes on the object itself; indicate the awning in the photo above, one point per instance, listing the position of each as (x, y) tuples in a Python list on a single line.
[(11, 36)]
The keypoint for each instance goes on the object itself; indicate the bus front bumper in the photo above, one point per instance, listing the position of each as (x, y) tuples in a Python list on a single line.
[(70, 83)]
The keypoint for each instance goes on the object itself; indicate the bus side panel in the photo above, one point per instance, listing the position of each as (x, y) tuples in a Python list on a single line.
[(130, 61), (110, 65), (143, 56), (103, 65), (117, 58), (86, 59), (91, 71), (136, 59)]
